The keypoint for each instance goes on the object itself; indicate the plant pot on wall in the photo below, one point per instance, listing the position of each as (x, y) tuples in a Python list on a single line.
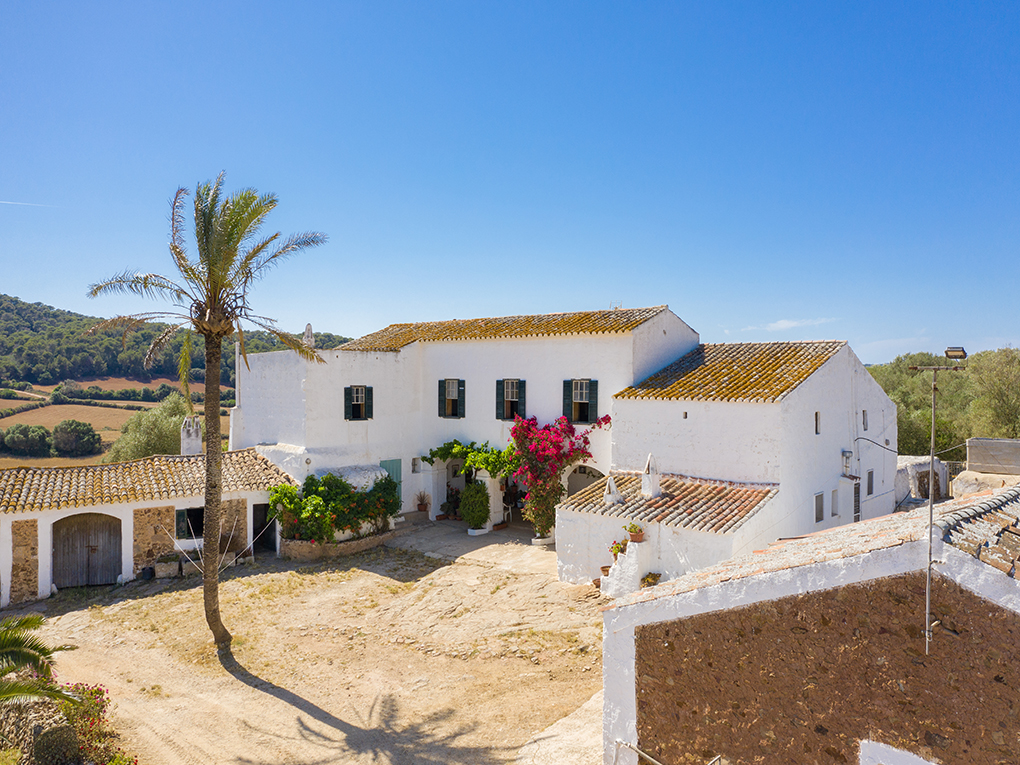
[(637, 536)]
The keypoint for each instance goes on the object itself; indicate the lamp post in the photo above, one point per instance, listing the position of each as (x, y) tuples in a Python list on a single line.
[(958, 353)]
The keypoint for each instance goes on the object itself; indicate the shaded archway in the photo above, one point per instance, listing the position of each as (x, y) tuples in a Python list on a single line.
[(582, 477)]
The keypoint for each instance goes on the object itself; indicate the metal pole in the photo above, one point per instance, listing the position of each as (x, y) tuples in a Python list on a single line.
[(931, 518)]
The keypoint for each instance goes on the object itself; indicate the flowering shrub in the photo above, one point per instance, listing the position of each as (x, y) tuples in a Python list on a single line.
[(542, 456), (330, 504), (90, 722), (618, 547)]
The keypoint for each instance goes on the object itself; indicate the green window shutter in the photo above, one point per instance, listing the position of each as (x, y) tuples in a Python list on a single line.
[(442, 398), (593, 400), (500, 408), (520, 400), (568, 398), (182, 524), (347, 403), (460, 398), (368, 402)]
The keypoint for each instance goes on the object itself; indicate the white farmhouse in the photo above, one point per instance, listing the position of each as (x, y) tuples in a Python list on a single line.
[(754, 441)]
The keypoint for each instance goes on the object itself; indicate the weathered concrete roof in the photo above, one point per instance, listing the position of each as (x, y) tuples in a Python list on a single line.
[(759, 372), (396, 336), (987, 527), (685, 502), (30, 489)]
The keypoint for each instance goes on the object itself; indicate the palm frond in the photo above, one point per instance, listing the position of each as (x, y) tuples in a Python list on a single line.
[(184, 369), (130, 323), (290, 246), (159, 344), (144, 285), (17, 692)]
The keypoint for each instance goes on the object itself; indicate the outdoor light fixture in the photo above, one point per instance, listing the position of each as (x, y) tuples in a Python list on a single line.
[(956, 352)]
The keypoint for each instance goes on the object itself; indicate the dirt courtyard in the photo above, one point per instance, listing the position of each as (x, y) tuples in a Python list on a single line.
[(390, 657)]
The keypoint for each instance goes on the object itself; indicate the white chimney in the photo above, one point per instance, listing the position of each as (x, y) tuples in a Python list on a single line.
[(650, 479), (191, 435), (309, 338), (612, 496)]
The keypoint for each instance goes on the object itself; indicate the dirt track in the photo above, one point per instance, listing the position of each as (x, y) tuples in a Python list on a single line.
[(388, 657)]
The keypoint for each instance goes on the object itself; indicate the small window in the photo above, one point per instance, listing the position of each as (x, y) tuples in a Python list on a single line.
[(451, 398), (190, 523), (871, 482), (819, 507), (358, 402), (509, 399), (415, 464), (580, 400), (834, 509), (818, 423), (864, 418)]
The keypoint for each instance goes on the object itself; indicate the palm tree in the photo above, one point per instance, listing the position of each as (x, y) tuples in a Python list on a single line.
[(211, 299), (20, 649)]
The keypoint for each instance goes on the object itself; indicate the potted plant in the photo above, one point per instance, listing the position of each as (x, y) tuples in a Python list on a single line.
[(637, 534), (423, 499), (474, 508), (618, 547)]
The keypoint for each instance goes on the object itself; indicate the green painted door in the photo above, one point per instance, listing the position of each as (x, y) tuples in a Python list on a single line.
[(393, 468)]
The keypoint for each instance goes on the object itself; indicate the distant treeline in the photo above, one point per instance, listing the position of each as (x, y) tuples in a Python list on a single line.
[(982, 400), (44, 345)]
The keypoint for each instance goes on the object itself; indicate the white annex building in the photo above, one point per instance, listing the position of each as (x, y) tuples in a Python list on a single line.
[(751, 442)]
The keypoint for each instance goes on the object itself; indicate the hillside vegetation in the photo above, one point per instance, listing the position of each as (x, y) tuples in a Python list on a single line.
[(43, 345), (982, 400)]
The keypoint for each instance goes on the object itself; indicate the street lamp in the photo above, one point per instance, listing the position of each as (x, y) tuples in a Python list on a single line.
[(955, 352)]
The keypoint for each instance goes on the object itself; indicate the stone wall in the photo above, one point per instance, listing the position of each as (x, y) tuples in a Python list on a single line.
[(804, 679), (231, 510), (154, 531), (25, 572)]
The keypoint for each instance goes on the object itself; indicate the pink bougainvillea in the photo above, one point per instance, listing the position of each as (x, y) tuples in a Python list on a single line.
[(543, 454)]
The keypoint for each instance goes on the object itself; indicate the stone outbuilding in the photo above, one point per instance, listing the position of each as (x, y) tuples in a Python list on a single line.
[(814, 650), (99, 524)]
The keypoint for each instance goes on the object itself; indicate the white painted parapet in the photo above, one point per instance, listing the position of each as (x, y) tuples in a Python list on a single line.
[(631, 565)]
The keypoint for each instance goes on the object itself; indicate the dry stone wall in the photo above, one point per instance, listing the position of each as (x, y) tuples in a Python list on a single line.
[(154, 529), (803, 679), (234, 524), (25, 572)]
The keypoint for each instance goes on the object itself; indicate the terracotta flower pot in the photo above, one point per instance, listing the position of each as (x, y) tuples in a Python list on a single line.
[(637, 537), (423, 508), (605, 570)]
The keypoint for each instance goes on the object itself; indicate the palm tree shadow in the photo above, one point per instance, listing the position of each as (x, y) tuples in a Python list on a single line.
[(381, 737)]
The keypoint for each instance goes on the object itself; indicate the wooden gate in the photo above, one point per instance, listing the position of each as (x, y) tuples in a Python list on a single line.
[(86, 550)]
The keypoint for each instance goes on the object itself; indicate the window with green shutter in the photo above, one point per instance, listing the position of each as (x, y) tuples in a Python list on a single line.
[(451, 398), (581, 400), (358, 402), (190, 522), (509, 399)]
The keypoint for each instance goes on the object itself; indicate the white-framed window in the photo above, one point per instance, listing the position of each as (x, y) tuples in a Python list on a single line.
[(581, 400), (580, 393), (819, 507), (871, 482), (834, 509), (864, 418), (358, 402), (511, 398)]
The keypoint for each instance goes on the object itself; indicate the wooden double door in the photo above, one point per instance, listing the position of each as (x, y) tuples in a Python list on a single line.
[(86, 550)]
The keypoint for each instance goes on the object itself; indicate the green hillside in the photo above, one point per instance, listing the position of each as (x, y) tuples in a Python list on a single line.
[(43, 345)]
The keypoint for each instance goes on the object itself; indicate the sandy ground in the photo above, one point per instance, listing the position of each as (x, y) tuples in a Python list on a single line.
[(392, 656)]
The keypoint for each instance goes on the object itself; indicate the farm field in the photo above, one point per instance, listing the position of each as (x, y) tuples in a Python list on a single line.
[(112, 383)]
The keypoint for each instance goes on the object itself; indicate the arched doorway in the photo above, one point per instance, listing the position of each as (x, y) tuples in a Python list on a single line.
[(582, 477), (86, 550)]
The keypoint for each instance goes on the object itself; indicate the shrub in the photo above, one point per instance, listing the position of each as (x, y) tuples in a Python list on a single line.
[(151, 431), (76, 439), (57, 746), (89, 721), (474, 505), (345, 508), (30, 440)]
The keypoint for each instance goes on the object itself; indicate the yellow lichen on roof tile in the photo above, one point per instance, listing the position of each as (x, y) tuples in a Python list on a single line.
[(396, 336), (736, 372), (162, 477)]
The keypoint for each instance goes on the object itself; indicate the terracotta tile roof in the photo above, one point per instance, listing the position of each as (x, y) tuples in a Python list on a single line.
[(760, 372), (685, 502), (396, 336), (146, 480), (985, 527)]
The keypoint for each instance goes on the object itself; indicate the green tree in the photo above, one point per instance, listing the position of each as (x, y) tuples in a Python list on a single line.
[(995, 410), (74, 438), (151, 431), (210, 297), (28, 440), (20, 649)]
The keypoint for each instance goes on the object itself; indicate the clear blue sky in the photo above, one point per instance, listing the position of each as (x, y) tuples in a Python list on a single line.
[(772, 171)]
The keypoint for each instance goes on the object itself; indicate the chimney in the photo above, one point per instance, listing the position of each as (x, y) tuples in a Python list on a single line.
[(650, 479), (191, 435), (611, 496), (309, 338)]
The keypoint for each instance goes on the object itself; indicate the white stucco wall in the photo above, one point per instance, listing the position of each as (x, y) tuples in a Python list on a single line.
[(719, 440), (123, 512), (659, 342)]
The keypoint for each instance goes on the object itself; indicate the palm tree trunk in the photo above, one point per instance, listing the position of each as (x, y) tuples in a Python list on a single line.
[(213, 495)]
